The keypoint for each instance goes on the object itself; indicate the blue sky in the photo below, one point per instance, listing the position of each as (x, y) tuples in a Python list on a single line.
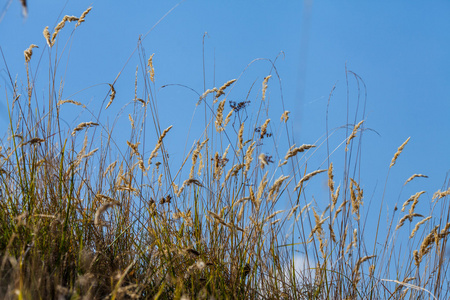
[(399, 48)]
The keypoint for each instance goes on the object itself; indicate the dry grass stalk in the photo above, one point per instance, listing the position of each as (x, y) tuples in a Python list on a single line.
[(83, 15), (233, 171), (158, 144), (305, 208), (221, 90), (292, 212), (248, 158), (134, 147), (252, 194), (355, 130), (264, 87), (356, 199), (195, 155), (142, 102), (416, 228), (415, 201), (415, 176), (160, 180), (60, 102), (417, 258), (307, 177), (318, 226), (339, 208), (331, 178), (112, 96), (82, 151), (61, 26), (128, 189), (239, 201), (151, 69), (46, 34), (444, 232), (440, 194), (363, 259), (241, 213), (285, 116), (131, 121), (201, 165), (271, 216), (353, 242), (260, 192), (188, 182), (219, 116), (176, 190), (357, 266), (206, 93), (264, 128), (371, 270), (228, 118), (322, 245), (399, 150), (324, 211), (240, 138), (90, 153), (294, 151), (120, 177), (334, 197), (228, 175), (224, 158), (83, 125), (217, 218), (103, 208), (428, 241), (110, 168), (406, 217), (411, 199), (275, 188), (29, 52), (332, 235)]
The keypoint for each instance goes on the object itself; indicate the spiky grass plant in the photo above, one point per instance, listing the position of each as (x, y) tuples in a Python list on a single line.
[(87, 214)]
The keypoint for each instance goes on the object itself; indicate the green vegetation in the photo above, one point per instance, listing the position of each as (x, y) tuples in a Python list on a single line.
[(87, 215)]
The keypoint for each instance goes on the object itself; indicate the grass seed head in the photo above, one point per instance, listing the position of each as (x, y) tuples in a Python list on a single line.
[(112, 96), (83, 15), (355, 130), (399, 151), (151, 69), (29, 52), (221, 90), (264, 87), (285, 116), (415, 176), (46, 34), (307, 177)]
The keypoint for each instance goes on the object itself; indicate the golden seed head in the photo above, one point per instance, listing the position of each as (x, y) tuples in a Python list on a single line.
[(29, 52), (399, 150), (285, 116), (83, 15), (264, 87)]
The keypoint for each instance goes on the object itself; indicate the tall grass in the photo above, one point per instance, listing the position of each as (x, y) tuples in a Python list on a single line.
[(86, 214)]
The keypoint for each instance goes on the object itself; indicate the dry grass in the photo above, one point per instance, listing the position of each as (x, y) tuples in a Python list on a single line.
[(83, 217)]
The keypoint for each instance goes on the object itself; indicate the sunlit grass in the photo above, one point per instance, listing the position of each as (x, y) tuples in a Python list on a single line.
[(89, 214)]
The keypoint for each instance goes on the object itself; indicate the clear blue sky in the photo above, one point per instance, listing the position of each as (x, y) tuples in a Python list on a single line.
[(399, 48)]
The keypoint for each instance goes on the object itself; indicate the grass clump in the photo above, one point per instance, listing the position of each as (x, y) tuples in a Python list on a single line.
[(87, 215)]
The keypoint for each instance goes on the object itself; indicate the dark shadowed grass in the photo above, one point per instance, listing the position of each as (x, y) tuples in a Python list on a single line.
[(87, 214)]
